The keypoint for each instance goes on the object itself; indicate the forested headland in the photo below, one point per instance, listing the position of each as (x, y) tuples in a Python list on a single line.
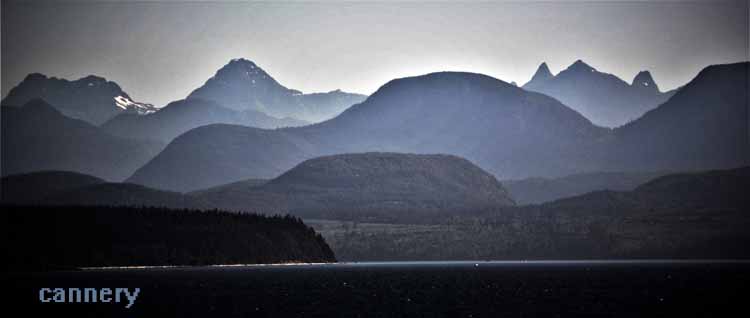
[(66, 237)]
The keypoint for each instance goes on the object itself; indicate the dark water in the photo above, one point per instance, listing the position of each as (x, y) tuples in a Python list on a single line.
[(419, 289)]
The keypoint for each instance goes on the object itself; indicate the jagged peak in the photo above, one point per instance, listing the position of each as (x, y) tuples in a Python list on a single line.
[(643, 79), (542, 72)]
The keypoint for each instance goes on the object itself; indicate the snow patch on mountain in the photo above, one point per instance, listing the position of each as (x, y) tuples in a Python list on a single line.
[(140, 108)]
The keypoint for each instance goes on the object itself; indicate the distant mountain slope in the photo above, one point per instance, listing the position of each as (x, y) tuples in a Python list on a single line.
[(508, 131), (539, 190), (92, 98), (504, 129), (707, 191), (241, 85), (181, 116), (31, 188), (366, 184), (322, 106), (75, 189), (36, 137), (122, 194), (218, 154), (703, 126), (239, 186), (603, 98)]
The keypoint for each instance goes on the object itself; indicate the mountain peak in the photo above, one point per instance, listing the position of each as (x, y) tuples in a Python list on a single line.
[(241, 69), (541, 76), (242, 85), (645, 81), (35, 76), (93, 78), (580, 66), (241, 61), (542, 72)]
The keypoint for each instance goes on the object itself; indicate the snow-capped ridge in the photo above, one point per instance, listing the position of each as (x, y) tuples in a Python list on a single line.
[(126, 104)]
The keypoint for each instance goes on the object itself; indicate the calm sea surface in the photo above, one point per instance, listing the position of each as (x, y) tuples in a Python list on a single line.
[(406, 289)]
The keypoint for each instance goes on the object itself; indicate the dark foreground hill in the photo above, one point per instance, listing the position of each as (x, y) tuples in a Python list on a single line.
[(122, 194), (539, 190), (31, 188), (367, 185), (37, 137), (61, 188), (694, 215), (42, 238)]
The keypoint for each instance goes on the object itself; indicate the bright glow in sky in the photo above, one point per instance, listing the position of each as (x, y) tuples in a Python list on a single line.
[(160, 51)]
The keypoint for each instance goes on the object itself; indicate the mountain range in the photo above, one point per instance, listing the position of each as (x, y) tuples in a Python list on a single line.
[(241, 85), (504, 129), (92, 98), (603, 98), (511, 132)]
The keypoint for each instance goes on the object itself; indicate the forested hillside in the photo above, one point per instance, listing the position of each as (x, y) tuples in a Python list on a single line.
[(44, 238)]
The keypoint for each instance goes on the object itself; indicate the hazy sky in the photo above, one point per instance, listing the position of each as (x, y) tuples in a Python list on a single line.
[(160, 51)]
